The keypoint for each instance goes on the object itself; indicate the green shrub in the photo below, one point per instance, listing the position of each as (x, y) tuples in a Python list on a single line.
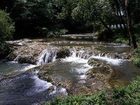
[(98, 99), (6, 31), (6, 26), (129, 95), (120, 40), (136, 57)]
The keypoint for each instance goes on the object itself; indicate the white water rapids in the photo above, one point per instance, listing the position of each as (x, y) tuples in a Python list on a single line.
[(77, 56), (47, 55)]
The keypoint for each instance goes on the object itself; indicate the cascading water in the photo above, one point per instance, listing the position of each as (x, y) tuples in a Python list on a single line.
[(86, 55), (82, 57), (78, 57), (48, 55)]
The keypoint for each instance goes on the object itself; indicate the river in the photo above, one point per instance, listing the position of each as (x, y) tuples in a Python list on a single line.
[(27, 88)]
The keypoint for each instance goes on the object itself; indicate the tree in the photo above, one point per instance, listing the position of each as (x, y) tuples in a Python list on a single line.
[(7, 5), (64, 10), (128, 12), (6, 26), (94, 12), (32, 17), (125, 10), (6, 31)]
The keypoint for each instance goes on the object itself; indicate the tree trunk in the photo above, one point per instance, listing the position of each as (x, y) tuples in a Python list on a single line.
[(105, 25), (132, 37)]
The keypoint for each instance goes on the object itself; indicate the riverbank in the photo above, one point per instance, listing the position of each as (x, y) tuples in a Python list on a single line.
[(129, 95)]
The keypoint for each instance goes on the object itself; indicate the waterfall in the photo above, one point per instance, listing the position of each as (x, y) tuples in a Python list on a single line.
[(47, 55), (79, 57), (84, 55), (76, 55)]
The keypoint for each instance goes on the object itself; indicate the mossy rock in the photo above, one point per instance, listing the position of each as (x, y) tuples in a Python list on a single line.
[(62, 53), (95, 62), (103, 73)]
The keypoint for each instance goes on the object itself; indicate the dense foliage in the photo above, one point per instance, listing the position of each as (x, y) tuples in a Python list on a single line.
[(6, 26), (34, 18), (129, 95), (6, 31)]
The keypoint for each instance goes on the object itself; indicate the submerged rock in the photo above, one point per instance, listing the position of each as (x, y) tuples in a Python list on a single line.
[(47, 72), (95, 62), (104, 72), (100, 72)]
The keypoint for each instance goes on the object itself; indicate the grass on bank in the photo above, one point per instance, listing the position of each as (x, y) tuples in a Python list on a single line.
[(129, 95), (136, 57)]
